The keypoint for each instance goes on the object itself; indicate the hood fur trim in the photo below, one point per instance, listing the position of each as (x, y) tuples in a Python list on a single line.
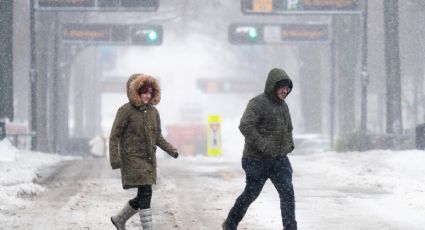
[(137, 81)]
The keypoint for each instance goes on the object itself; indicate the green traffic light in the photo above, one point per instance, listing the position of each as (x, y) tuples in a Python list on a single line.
[(252, 33), (246, 34), (146, 35), (153, 35)]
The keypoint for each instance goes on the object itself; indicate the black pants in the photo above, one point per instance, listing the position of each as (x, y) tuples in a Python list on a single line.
[(143, 198), (279, 171)]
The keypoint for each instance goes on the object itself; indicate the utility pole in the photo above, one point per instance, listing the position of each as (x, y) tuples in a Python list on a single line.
[(33, 78), (392, 61), (6, 60), (347, 44), (332, 100), (364, 80), (364, 76)]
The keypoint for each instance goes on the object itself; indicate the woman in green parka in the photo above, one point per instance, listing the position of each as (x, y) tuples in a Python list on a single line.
[(132, 145)]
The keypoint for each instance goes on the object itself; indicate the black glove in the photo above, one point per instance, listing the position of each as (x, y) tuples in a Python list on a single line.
[(175, 155), (116, 165)]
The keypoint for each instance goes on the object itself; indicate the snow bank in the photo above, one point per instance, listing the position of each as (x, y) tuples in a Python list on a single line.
[(18, 171), (7, 151)]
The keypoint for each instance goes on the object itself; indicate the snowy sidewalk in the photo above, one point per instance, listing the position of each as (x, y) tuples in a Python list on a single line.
[(18, 170)]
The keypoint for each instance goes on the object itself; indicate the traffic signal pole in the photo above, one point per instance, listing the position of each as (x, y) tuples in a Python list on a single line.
[(392, 61), (33, 78), (364, 76), (6, 60), (364, 80), (332, 96)]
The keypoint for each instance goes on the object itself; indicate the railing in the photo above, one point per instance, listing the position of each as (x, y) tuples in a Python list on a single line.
[(17, 133), (21, 141)]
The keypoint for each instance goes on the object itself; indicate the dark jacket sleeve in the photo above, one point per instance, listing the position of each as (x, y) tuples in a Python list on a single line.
[(290, 128), (120, 123), (161, 142), (249, 121)]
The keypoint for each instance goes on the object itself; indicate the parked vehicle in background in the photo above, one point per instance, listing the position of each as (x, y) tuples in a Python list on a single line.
[(190, 139)]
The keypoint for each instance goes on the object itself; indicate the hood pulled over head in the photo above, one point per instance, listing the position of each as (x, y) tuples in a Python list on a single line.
[(276, 76), (136, 83)]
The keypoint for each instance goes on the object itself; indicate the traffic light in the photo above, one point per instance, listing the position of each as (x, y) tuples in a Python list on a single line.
[(246, 34), (146, 35), (278, 33)]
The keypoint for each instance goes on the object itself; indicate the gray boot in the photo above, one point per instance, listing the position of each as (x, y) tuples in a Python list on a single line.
[(122, 217), (146, 218)]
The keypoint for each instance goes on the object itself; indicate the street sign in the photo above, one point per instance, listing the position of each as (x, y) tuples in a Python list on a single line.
[(305, 32), (112, 34), (86, 33), (299, 6), (239, 34), (78, 5), (214, 135)]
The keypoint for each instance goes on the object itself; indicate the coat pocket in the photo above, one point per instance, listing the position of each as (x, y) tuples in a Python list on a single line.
[(136, 161)]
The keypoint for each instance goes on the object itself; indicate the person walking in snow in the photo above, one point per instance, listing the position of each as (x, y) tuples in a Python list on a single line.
[(267, 127), (132, 145)]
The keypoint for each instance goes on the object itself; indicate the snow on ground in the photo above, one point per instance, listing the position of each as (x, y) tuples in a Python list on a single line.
[(389, 184), (18, 170), (377, 189), (8, 152), (354, 190)]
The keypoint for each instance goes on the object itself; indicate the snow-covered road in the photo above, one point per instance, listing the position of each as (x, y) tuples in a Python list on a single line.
[(377, 190)]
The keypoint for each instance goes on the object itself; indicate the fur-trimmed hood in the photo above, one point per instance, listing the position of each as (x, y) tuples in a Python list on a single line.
[(135, 82)]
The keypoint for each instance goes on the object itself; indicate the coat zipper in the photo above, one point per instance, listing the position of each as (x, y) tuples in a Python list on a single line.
[(146, 133), (283, 123)]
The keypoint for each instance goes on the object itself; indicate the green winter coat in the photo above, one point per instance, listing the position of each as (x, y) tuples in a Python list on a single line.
[(266, 123), (135, 134)]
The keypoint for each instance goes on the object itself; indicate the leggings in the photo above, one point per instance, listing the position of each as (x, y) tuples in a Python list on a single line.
[(143, 198)]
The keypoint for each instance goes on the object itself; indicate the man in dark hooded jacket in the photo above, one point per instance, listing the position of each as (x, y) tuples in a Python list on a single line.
[(267, 127)]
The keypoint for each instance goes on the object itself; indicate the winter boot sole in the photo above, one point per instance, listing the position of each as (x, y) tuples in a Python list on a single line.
[(114, 223)]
